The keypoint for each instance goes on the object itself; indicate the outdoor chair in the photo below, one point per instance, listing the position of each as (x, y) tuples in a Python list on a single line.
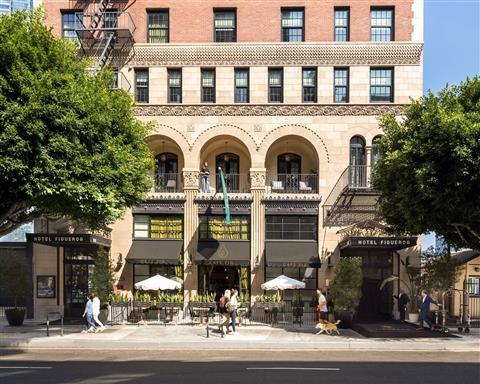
[(277, 186), (303, 187), (193, 315), (171, 185)]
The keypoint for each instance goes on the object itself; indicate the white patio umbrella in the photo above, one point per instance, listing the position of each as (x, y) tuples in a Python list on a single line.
[(283, 282), (156, 283)]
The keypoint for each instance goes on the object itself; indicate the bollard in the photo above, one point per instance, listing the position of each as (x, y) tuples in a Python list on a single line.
[(61, 324), (208, 332), (48, 327)]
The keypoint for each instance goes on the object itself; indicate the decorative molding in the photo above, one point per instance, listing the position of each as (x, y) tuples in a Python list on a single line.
[(191, 179), (292, 207), (292, 197), (217, 198), (269, 110), (161, 197), (160, 206), (257, 179), (391, 53), (223, 126)]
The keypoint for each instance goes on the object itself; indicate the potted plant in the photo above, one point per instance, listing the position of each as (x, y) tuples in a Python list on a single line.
[(15, 283), (346, 289)]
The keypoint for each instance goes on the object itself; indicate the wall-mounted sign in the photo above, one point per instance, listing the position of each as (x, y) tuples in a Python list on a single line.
[(66, 239), (379, 242), (46, 288)]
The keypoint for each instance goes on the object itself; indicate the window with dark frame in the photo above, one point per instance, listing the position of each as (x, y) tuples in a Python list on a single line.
[(381, 85), (158, 227), (309, 85), (71, 21), (214, 227), (275, 85), (340, 85), (382, 24), (174, 85), (293, 24), (158, 27), (342, 24), (291, 227), (225, 26), (208, 85), (141, 85), (242, 94)]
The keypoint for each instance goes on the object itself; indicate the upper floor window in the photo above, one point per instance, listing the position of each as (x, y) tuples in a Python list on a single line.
[(381, 84), (309, 85), (376, 152), (70, 22), (225, 26), (158, 27), (174, 85), (110, 19), (291, 227), (342, 24), (241, 85), (215, 228), (208, 85), (141, 85), (293, 25), (340, 79), (275, 85), (158, 227), (381, 24)]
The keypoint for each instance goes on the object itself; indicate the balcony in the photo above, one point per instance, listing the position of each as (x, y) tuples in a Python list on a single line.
[(167, 183), (292, 183), (235, 183)]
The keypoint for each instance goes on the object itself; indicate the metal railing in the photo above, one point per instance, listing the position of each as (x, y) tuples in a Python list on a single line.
[(235, 182), (359, 177), (58, 316), (292, 183), (167, 182)]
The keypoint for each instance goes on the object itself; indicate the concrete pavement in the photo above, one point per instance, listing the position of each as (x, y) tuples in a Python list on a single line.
[(185, 337)]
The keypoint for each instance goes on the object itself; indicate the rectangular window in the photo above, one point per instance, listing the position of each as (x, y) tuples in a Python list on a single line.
[(225, 26), (208, 85), (110, 19), (342, 24), (71, 21), (309, 85), (158, 227), (174, 85), (215, 228), (382, 24), (115, 78), (141, 85), (158, 27), (341, 82), (275, 85), (291, 227), (473, 285), (293, 25), (381, 84), (242, 85)]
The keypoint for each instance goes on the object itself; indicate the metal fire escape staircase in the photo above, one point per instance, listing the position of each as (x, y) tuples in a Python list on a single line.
[(352, 199), (105, 31)]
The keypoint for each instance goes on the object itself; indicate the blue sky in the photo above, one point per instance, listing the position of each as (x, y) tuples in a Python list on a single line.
[(452, 47)]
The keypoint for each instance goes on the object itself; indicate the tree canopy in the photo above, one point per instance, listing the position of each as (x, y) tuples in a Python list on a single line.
[(429, 175), (69, 145)]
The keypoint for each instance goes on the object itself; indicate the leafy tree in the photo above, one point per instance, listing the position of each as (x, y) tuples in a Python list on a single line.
[(429, 176), (102, 277), (439, 270), (70, 146), (347, 285), (15, 281)]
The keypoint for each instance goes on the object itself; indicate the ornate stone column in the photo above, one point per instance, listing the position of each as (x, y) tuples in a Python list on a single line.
[(257, 242), (368, 168), (190, 185)]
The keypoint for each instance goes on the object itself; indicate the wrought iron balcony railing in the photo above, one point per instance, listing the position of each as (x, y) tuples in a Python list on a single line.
[(292, 183)]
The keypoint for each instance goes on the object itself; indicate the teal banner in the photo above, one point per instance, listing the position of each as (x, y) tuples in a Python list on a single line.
[(225, 197)]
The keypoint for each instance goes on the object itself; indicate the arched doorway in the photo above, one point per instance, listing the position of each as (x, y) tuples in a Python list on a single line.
[(358, 163), (229, 163), (166, 172), (289, 169)]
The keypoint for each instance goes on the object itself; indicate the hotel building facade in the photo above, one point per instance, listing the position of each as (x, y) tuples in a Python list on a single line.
[(284, 96)]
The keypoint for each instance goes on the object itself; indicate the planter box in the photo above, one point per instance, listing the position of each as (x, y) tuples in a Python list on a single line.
[(413, 317), (15, 316)]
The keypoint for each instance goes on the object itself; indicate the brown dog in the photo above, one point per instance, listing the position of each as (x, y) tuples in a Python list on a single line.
[(327, 327)]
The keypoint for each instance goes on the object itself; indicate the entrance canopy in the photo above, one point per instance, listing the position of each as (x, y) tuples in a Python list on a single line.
[(156, 283), (155, 252), (223, 253), (283, 282)]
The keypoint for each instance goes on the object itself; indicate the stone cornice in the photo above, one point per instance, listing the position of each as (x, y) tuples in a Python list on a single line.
[(298, 54), (268, 110)]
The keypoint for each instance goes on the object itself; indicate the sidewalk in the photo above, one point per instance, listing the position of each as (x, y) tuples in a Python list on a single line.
[(185, 337)]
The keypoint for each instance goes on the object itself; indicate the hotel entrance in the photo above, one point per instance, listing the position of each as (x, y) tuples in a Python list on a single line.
[(217, 278)]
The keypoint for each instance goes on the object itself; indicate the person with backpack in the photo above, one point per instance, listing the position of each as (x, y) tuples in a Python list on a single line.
[(225, 308)]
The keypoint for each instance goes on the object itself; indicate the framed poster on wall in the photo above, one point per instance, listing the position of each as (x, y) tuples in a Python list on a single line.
[(46, 288)]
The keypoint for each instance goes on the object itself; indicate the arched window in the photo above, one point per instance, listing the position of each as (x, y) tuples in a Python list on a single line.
[(230, 165), (376, 153), (358, 162), (166, 172), (289, 164)]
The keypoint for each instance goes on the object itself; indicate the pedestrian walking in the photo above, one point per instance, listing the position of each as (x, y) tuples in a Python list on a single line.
[(88, 314), (233, 307), (204, 175), (226, 309), (425, 309), (402, 301), (96, 312), (322, 308)]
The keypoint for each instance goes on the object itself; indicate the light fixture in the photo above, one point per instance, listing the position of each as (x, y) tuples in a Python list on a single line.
[(287, 158), (163, 156), (226, 157), (257, 261)]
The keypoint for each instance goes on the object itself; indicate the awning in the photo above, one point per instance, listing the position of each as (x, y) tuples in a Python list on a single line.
[(153, 251), (292, 254), (223, 253), (62, 239), (384, 242)]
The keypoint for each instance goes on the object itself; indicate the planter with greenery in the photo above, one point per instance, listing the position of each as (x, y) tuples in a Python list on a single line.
[(297, 306), (346, 289), (170, 300), (203, 300), (102, 281), (15, 283)]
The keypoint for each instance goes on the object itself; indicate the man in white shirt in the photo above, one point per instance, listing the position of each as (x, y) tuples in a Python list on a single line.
[(96, 312), (322, 305)]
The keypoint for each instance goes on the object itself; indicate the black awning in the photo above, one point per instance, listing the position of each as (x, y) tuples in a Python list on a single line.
[(150, 251), (223, 253), (62, 239), (380, 243), (292, 254)]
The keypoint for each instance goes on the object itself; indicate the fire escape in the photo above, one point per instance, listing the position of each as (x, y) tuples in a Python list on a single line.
[(352, 199), (105, 31)]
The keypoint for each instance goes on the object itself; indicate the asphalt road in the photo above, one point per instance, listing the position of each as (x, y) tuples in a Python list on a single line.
[(204, 367)]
